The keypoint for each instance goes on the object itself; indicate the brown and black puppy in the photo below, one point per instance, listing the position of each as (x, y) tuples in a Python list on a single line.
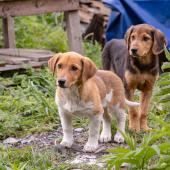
[(136, 62)]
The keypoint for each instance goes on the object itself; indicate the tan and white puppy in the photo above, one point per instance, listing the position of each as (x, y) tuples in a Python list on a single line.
[(82, 90)]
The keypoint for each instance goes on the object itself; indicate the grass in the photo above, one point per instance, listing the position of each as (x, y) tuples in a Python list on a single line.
[(27, 103), (42, 32), (32, 158)]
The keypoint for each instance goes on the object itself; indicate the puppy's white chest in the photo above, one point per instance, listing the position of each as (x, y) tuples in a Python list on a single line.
[(73, 104), (78, 107), (70, 102)]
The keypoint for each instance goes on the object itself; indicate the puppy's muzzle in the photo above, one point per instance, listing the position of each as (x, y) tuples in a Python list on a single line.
[(61, 83), (134, 51)]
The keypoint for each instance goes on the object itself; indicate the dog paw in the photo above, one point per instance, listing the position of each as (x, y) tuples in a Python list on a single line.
[(118, 138), (67, 144), (105, 138), (146, 129), (90, 147), (134, 129)]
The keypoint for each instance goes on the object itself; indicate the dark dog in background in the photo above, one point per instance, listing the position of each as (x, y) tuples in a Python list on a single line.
[(136, 62)]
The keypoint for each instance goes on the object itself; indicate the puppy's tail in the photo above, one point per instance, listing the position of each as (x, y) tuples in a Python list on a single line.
[(130, 103)]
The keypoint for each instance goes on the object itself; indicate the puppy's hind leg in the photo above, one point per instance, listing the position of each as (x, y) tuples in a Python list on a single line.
[(134, 117), (121, 120), (105, 135), (145, 98)]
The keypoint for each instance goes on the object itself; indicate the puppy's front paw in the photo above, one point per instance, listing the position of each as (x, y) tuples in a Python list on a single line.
[(65, 143), (146, 128), (119, 138), (105, 138), (134, 129), (90, 147)]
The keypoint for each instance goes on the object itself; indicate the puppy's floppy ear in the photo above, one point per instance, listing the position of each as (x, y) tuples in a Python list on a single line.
[(53, 61), (88, 68), (127, 35), (159, 42)]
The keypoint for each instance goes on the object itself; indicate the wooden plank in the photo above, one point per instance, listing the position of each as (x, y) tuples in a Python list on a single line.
[(34, 50), (6, 0), (31, 50), (8, 32), (23, 66), (10, 67), (2, 63), (37, 57), (85, 17), (14, 60), (38, 64), (87, 2), (73, 31), (31, 7), (102, 8), (27, 54)]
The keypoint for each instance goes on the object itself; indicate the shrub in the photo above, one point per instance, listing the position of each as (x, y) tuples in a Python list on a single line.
[(42, 32)]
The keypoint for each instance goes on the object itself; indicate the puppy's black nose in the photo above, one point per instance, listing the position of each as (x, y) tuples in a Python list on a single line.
[(61, 82), (134, 51)]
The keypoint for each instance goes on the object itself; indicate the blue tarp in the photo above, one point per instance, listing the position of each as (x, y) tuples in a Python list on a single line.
[(131, 12)]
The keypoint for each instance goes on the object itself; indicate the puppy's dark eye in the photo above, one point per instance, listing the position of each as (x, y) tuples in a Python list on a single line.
[(146, 38), (132, 37), (74, 68), (59, 66)]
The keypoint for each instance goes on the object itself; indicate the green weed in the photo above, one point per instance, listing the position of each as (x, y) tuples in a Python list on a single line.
[(147, 155), (41, 32), (27, 103), (93, 51)]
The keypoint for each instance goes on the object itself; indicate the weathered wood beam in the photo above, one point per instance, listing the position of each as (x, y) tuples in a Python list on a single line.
[(73, 31), (8, 32), (33, 7)]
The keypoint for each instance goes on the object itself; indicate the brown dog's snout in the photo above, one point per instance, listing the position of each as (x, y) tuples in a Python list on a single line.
[(134, 51), (61, 82)]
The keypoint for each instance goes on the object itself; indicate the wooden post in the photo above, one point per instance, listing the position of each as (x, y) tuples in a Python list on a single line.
[(73, 31), (8, 32)]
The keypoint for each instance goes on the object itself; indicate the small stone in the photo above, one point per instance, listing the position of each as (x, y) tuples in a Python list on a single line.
[(79, 130), (125, 165), (100, 164), (28, 139), (60, 149), (88, 159), (76, 147), (101, 149), (11, 140)]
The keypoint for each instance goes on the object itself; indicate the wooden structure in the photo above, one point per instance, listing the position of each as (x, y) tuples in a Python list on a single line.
[(88, 8), (12, 8), (14, 59), (94, 18)]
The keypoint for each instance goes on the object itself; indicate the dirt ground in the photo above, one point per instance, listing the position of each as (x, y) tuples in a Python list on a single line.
[(74, 155)]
